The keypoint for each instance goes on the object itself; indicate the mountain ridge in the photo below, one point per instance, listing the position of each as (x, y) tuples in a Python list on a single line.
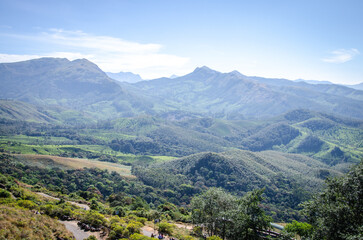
[(82, 85)]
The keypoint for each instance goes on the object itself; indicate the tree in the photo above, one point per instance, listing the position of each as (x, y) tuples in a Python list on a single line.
[(248, 218), (337, 213), (303, 229), (210, 207), (230, 217)]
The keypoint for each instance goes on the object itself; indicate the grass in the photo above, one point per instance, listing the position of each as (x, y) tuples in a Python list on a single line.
[(73, 163), (21, 144), (18, 223)]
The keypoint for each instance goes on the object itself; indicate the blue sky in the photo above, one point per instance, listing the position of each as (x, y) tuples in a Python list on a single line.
[(316, 40)]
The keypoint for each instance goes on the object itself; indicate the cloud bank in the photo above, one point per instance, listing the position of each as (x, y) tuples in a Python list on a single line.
[(109, 53), (341, 55)]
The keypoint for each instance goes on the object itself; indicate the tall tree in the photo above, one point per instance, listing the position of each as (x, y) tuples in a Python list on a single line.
[(337, 213), (211, 207), (230, 217), (248, 218)]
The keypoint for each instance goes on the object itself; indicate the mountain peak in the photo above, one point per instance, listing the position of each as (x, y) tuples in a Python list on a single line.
[(205, 70), (236, 74)]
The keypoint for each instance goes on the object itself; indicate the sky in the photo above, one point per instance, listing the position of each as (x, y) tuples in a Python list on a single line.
[(312, 40)]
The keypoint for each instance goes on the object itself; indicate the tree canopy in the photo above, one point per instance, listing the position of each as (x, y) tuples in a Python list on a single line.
[(337, 213)]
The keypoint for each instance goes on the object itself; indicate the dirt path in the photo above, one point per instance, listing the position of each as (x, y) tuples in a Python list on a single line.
[(84, 206), (147, 231), (78, 233), (186, 226)]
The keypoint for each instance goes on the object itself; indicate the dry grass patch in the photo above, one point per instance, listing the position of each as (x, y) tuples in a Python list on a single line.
[(16, 223), (74, 163)]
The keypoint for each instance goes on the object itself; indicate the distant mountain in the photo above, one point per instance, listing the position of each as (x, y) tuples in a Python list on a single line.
[(53, 114), (234, 95), (358, 86), (313, 81), (173, 76), (56, 79), (81, 85), (125, 77), (305, 89), (16, 110), (78, 84)]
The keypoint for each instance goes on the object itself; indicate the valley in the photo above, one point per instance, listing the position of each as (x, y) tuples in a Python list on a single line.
[(136, 152)]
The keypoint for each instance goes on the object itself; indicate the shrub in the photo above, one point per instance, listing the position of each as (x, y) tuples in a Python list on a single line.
[(134, 227), (94, 218), (4, 194), (166, 228), (214, 238), (91, 238), (26, 204), (137, 236), (198, 231)]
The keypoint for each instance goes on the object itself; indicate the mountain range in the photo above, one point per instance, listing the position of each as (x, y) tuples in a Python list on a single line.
[(81, 85), (205, 110)]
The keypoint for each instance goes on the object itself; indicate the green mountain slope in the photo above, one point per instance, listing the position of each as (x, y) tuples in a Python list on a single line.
[(288, 179), (233, 95), (77, 84), (21, 111)]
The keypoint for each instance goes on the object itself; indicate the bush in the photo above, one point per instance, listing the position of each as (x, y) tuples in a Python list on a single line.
[(214, 238), (300, 228), (4, 194), (94, 219), (91, 238), (197, 231), (184, 237), (137, 236), (166, 228), (26, 204), (134, 227)]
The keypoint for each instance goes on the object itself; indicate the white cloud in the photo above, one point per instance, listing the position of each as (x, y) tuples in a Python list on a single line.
[(341, 55), (109, 53), (100, 43)]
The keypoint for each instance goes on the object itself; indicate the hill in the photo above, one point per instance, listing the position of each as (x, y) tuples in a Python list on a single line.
[(325, 137), (288, 179)]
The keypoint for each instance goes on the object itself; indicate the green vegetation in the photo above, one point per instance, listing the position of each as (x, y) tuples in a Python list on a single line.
[(124, 205), (143, 139), (230, 217), (288, 179), (190, 151), (302, 229), (336, 213), (21, 223)]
